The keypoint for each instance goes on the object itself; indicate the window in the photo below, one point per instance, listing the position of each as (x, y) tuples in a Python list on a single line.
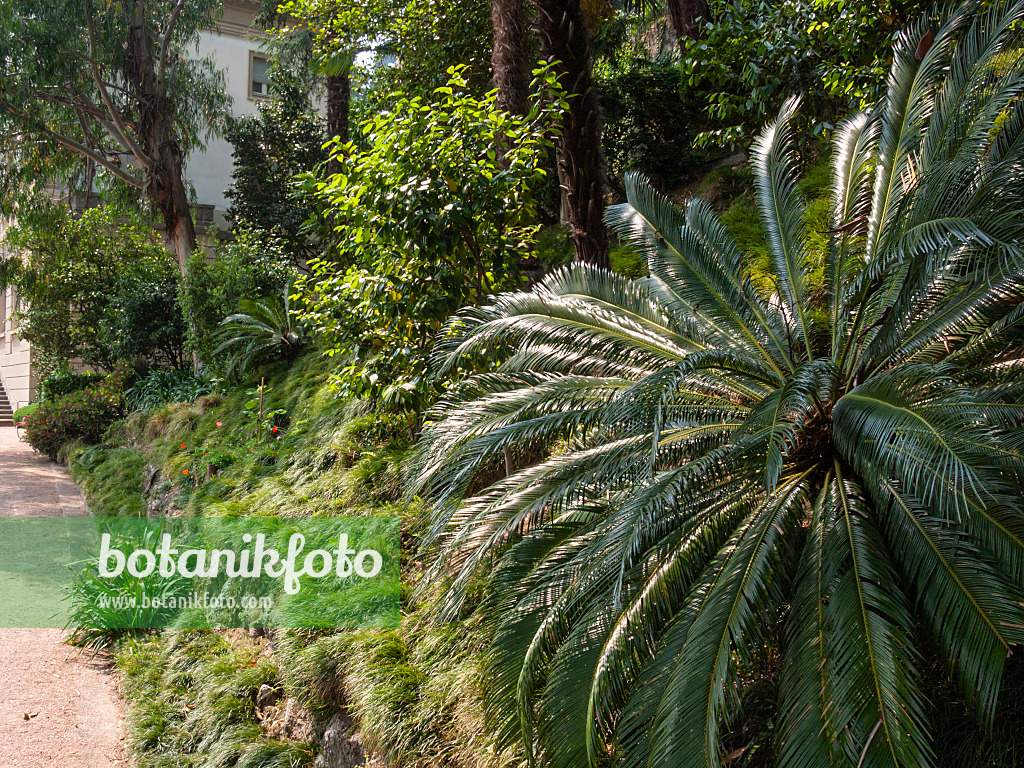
[(259, 76)]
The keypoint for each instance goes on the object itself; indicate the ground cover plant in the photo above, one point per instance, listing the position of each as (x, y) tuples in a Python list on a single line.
[(736, 524)]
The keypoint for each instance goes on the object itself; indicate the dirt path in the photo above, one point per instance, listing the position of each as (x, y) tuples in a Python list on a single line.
[(74, 712)]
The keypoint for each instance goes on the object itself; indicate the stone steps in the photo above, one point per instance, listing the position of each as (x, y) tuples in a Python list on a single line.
[(6, 411)]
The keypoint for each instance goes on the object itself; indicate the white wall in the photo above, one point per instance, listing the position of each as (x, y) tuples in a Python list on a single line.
[(209, 171)]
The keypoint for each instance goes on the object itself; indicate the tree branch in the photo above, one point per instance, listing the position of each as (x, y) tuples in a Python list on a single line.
[(122, 132), (166, 40)]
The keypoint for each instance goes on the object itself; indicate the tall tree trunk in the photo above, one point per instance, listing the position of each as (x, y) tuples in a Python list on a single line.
[(164, 184), (339, 90), (564, 38), (510, 55), (684, 15)]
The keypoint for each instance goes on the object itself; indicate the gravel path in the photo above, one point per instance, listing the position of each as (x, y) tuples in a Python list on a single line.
[(59, 707)]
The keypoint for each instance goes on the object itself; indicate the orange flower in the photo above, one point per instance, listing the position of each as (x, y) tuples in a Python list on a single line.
[(184, 471)]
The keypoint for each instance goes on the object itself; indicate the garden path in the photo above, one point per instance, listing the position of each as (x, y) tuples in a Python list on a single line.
[(59, 706)]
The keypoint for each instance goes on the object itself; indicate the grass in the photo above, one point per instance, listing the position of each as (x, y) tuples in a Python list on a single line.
[(191, 695), (110, 478)]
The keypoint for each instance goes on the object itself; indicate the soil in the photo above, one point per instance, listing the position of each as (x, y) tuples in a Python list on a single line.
[(59, 706)]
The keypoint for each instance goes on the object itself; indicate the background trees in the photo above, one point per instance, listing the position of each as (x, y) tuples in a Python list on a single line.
[(107, 86)]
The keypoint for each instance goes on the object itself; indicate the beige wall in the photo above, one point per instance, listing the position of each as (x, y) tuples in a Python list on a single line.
[(15, 357)]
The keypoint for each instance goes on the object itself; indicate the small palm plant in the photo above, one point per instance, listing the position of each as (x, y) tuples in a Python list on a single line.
[(701, 486), (261, 330)]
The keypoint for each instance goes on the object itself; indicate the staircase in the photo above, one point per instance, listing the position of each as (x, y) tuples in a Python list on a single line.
[(6, 412)]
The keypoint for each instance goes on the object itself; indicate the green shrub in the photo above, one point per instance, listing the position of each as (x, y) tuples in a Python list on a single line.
[(65, 381), (84, 416), (160, 387), (25, 411)]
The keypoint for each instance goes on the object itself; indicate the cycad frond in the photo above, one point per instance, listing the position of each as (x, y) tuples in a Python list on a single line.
[(657, 481)]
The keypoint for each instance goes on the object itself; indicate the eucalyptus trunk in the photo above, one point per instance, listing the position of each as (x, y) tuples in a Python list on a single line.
[(164, 183), (565, 39)]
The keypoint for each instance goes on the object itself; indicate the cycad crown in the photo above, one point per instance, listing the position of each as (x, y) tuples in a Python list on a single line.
[(700, 475)]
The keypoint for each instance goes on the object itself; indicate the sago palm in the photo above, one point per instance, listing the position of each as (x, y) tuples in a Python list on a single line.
[(666, 489)]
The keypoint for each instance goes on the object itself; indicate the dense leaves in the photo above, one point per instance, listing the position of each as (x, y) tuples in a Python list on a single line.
[(660, 477), (94, 286), (423, 220)]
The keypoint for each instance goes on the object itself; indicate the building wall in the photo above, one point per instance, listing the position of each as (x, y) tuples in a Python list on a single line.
[(230, 45), (15, 356)]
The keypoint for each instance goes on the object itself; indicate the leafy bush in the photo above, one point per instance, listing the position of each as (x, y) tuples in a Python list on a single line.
[(160, 387), (84, 416), (422, 220), (65, 381), (753, 54), (25, 411), (252, 267), (79, 274), (648, 126), (146, 323)]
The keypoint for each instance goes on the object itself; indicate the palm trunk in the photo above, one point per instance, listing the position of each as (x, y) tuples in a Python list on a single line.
[(339, 90), (564, 38), (687, 18), (510, 55)]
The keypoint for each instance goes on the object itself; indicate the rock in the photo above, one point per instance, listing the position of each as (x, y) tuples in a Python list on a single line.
[(266, 696), (339, 747), (150, 477)]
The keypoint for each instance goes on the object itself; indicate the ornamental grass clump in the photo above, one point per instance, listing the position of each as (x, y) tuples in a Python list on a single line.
[(657, 480)]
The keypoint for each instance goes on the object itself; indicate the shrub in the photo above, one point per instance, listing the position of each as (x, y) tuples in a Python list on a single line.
[(160, 387), (25, 411), (83, 415), (65, 381), (244, 269)]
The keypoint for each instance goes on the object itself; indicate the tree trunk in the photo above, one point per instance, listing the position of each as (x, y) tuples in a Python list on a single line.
[(510, 56), (684, 15), (164, 182), (564, 38), (338, 99)]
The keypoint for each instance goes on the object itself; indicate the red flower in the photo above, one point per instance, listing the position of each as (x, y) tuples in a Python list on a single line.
[(182, 445), (219, 424), (274, 429)]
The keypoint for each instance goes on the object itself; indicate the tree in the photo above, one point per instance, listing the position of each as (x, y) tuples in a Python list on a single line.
[(98, 286), (565, 42), (272, 147), (110, 85), (716, 494)]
